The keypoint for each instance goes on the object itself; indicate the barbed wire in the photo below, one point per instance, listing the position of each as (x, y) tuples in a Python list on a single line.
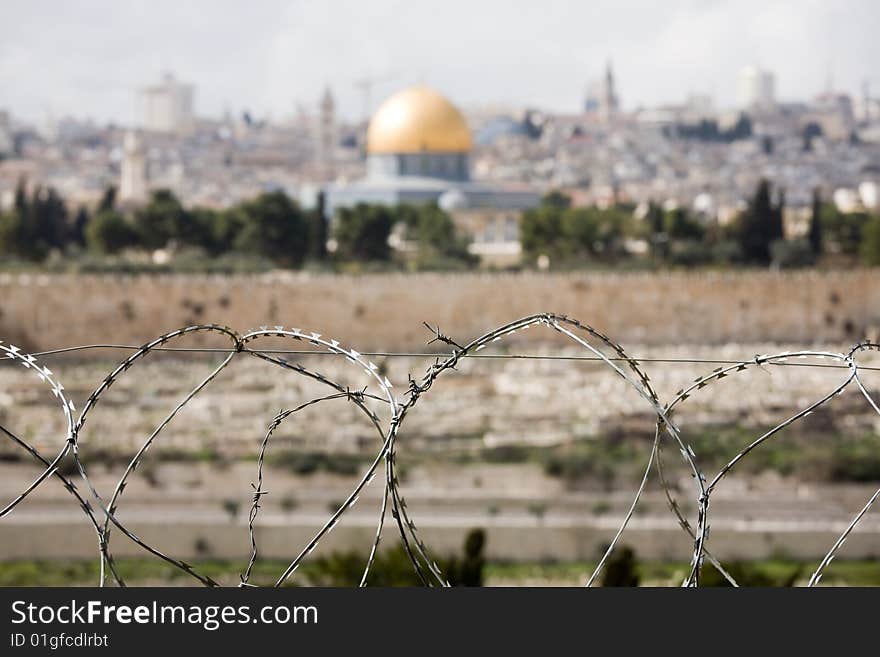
[(598, 348), (432, 354)]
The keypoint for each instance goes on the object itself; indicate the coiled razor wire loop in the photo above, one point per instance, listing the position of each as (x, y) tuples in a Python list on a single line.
[(372, 371), (636, 378), (11, 352), (817, 575), (110, 508), (599, 347), (239, 345)]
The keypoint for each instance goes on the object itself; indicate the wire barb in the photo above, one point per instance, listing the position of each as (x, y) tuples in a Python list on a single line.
[(439, 337)]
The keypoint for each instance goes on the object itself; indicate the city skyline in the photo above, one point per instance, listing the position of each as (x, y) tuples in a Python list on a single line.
[(90, 60)]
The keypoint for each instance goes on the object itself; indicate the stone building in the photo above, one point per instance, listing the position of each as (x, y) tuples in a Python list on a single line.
[(326, 137), (133, 181), (167, 107)]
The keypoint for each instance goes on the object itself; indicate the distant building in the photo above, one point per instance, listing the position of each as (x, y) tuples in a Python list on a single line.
[(869, 193), (133, 183), (602, 99), (418, 147), (756, 89), (847, 200), (700, 106), (833, 112), (167, 106), (6, 141), (326, 137)]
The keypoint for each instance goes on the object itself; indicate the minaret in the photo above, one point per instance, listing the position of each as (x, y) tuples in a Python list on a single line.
[(133, 176), (609, 95), (326, 137)]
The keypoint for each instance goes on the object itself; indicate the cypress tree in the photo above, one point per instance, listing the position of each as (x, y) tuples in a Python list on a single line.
[(815, 232), (761, 224), (318, 229)]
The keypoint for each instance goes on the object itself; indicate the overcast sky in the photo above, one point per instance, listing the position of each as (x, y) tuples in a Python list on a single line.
[(87, 58)]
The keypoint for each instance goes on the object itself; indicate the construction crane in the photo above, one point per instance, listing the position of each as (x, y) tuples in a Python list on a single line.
[(366, 85)]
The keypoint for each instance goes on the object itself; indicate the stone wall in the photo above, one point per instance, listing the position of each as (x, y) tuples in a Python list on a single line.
[(386, 311)]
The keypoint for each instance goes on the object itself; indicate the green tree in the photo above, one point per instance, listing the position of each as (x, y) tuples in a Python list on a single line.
[(792, 253), (225, 229), (655, 219), (35, 224), (843, 230), (614, 224), (540, 231), (49, 221), (275, 227), (556, 199), (870, 247), (679, 225), (776, 229), (567, 233), (12, 239), (318, 229), (550, 228), (760, 225), (362, 232), (814, 234), (198, 229), (21, 199), (108, 199), (162, 219), (581, 231), (438, 243), (109, 232), (78, 227)]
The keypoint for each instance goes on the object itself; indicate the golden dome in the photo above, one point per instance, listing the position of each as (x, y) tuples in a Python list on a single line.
[(416, 120)]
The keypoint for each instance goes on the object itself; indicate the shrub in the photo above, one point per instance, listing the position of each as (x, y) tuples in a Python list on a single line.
[(788, 254), (621, 569)]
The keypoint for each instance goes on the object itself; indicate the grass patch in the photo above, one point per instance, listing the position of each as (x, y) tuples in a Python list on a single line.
[(768, 572), (141, 572), (306, 463)]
